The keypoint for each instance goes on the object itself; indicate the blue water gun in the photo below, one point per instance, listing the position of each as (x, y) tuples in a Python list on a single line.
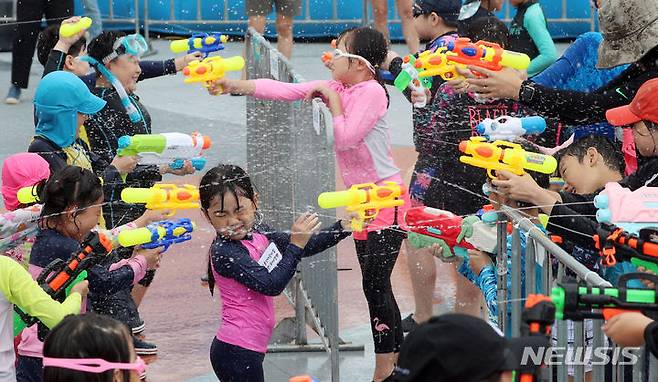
[(205, 43), (159, 234)]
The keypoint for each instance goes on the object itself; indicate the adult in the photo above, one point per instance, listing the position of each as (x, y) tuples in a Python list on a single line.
[(286, 10), (476, 9), (28, 22), (630, 35), (405, 7)]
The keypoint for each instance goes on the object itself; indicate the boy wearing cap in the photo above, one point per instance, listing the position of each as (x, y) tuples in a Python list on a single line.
[(435, 22), (458, 347), (563, 207)]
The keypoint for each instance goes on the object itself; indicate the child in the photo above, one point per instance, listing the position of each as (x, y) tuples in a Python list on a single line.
[(529, 35), (62, 104), (251, 264), (563, 208), (73, 348), (358, 103), (17, 287), (18, 227), (72, 200)]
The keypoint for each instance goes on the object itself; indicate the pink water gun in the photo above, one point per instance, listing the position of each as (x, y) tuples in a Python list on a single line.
[(630, 210)]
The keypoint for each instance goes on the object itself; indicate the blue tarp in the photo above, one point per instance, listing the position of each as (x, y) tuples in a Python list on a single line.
[(317, 21)]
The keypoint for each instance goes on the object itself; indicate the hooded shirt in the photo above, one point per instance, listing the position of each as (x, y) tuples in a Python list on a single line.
[(18, 171)]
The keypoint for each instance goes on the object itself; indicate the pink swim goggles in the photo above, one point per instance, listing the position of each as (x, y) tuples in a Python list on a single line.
[(94, 365)]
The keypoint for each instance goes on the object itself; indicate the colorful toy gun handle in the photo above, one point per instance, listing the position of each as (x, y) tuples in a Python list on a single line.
[(159, 234), (68, 30), (163, 196), (303, 378), (501, 155), (630, 210), (409, 78), (486, 55), (615, 244), (510, 128), (211, 69), (577, 302), (202, 42), (167, 148), (366, 199)]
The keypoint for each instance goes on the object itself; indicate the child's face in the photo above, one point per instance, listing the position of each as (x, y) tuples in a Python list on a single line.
[(425, 26), (78, 226), (127, 70), (345, 69), (645, 141), (75, 65), (583, 176), (236, 219)]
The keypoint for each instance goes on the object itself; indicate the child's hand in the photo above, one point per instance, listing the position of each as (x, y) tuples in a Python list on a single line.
[(303, 228), (185, 60), (64, 43), (627, 329), (418, 97), (82, 287), (329, 96), (646, 283), (187, 169), (478, 260), (520, 188), (125, 164), (152, 256)]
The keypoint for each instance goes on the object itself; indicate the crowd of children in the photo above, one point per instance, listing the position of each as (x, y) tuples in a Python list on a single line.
[(74, 174)]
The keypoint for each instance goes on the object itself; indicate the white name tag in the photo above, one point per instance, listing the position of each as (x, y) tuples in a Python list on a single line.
[(270, 257)]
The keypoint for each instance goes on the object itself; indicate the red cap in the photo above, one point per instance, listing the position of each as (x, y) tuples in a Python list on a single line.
[(643, 107)]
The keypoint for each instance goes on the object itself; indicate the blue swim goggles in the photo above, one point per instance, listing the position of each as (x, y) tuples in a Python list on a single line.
[(132, 44)]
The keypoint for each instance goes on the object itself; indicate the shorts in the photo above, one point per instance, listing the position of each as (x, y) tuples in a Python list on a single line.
[(423, 188), (289, 8)]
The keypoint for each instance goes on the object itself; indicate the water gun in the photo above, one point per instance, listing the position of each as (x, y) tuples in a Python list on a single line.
[(59, 275), (409, 77), (536, 320), (167, 148), (485, 54), (630, 210), (159, 234), (507, 128), (329, 55), (436, 63), (163, 196), (68, 30), (501, 155), (205, 43), (455, 235), (303, 378), (366, 199), (615, 244), (576, 301), (211, 69)]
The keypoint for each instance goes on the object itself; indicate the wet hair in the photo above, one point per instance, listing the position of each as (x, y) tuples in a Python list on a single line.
[(223, 179), (489, 29), (370, 44), (71, 186), (87, 336), (48, 39), (610, 151), (103, 45)]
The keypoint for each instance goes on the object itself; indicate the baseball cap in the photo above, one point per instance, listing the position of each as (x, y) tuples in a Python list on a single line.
[(448, 9), (459, 347), (630, 31), (643, 107)]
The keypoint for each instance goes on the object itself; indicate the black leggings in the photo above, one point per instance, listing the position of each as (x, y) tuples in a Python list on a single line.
[(377, 256), (236, 364)]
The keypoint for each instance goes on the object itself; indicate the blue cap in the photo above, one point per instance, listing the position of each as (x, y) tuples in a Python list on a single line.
[(447, 9)]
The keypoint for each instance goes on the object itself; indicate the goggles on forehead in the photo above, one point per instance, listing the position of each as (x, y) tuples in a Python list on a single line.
[(93, 365), (132, 44), (339, 53)]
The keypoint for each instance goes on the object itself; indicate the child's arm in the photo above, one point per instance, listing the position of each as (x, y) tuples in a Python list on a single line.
[(487, 283), (233, 261), (152, 69), (535, 23), (121, 275), (19, 289), (324, 239)]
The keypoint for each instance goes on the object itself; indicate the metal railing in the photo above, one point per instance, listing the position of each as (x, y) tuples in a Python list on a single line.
[(290, 157), (538, 251)]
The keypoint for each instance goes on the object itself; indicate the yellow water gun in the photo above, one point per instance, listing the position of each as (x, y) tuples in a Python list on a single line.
[(163, 197), (211, 69)]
